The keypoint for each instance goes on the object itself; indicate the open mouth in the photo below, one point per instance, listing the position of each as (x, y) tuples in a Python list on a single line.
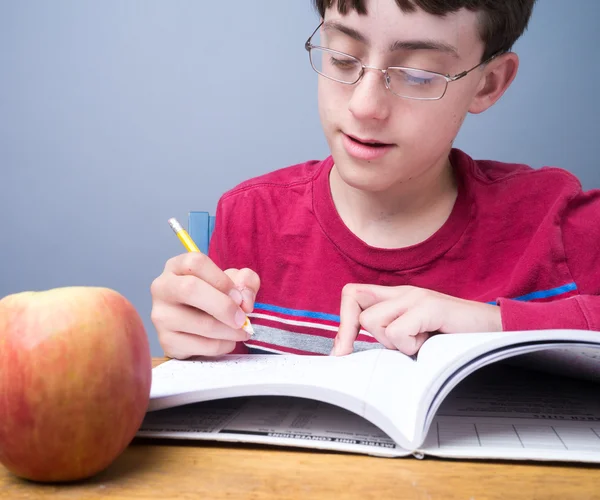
[(367, 142), (365, 149)]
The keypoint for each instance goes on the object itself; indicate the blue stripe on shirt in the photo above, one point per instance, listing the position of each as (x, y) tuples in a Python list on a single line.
[(540, 294), (297, 312), (544, 294)]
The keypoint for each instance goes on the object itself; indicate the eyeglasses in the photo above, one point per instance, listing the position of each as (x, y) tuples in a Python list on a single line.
[(409, 83)]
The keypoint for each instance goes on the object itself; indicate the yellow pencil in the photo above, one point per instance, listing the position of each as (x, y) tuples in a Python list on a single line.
[(190, 246)]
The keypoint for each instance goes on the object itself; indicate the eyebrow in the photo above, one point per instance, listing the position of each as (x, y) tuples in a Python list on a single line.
[(397, 45), (424, 45)]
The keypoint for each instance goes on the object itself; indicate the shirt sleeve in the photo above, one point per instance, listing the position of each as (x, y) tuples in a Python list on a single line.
[(580, 229)]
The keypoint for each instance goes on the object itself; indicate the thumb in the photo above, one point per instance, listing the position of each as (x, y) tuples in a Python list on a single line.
[(248, 283)]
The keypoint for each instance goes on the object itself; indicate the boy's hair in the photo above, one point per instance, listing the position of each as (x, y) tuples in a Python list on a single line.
[(502, 21)]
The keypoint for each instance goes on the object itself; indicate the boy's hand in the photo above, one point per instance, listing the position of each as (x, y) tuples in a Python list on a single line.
[(403, 317), (198, 309)]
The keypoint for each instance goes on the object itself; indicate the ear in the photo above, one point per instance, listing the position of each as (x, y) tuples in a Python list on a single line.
[(498, 75)]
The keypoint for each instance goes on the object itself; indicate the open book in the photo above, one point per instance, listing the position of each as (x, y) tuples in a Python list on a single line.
[(531, 395)]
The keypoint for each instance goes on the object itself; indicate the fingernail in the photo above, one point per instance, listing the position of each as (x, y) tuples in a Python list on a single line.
[(236, 296), (240, 318), (248, 296)]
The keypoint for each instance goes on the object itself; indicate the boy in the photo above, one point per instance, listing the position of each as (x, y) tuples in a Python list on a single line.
[(397, 235)]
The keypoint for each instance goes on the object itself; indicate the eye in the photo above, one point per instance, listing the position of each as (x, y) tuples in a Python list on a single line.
[(343, 63), (418, 78)]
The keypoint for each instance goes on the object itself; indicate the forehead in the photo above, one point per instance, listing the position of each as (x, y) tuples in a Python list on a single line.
[(385, 24)]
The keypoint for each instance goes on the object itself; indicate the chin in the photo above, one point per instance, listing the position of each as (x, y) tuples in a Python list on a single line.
[(367, 176)]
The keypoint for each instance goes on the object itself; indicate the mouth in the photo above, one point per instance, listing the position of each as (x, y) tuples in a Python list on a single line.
[(368, 142), (366, 149)]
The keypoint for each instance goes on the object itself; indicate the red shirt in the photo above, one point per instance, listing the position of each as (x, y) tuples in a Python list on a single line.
[(525, 239)]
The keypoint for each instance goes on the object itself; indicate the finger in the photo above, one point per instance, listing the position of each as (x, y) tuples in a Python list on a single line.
[(359, 297), (201, 266), (349, 322), (181, 345), (194, 292), (369, 295), (248, 283), (409, 331), (186, 319), (376, 318)]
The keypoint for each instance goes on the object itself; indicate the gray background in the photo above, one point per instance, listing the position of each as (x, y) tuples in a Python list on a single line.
[(118, 114)]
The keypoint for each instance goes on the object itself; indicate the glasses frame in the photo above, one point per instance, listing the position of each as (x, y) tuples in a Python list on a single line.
[(449, 78)]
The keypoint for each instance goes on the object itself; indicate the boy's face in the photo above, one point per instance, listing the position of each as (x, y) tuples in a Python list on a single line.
[(419, 134)]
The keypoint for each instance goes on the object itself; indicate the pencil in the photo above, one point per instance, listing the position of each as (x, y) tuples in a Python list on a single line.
[(190, 246)]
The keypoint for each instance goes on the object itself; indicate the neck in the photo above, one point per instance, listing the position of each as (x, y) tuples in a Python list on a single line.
[(403, 215)]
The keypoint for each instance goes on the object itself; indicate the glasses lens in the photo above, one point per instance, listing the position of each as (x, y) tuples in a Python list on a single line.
[(416, 83), (335, 65)]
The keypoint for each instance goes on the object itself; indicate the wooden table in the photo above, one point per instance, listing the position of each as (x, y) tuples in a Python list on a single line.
[(163, 470)]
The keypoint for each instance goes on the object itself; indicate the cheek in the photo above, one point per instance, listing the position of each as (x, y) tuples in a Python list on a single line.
[(430, 124), (333, 102), (323, 102)]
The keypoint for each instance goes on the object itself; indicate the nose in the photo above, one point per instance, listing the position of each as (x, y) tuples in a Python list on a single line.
[(370, 97)]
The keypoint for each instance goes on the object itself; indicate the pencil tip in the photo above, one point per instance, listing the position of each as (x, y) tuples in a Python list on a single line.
[(247, 327)]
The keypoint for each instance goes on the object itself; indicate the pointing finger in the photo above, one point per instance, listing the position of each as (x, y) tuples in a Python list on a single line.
[(349, 322)]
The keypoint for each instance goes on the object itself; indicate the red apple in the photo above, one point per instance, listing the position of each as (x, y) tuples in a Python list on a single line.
[(75, 375)]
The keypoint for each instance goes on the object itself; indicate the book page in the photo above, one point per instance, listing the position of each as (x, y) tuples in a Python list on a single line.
[(444, 352), (503, 411), (348, 374), (393, 398), (275, 420), (445, 359), (345, 381)]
